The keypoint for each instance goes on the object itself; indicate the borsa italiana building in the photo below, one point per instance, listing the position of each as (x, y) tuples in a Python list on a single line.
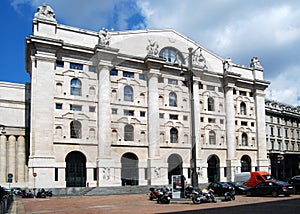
[(114, 108)]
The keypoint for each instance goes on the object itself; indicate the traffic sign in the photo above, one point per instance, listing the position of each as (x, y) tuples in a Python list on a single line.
[(10, 175), (34, 174)]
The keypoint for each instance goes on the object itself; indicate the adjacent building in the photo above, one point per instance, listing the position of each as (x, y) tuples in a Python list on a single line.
[(119, 108)]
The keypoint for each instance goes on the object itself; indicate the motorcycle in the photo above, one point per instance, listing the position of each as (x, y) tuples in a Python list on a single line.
[(153, 195), (206, 195), (48, 193), (163, 196), (41, 194), (28, 194), (229, 196)]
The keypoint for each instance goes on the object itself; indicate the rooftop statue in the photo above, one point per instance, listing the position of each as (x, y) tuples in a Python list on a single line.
[(104, 37), (45, 12), (255, 63), (152, 48)]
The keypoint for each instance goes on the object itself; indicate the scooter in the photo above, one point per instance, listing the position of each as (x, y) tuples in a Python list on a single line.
[(164, 196), (206, 195), (230, 196), (41, 194)]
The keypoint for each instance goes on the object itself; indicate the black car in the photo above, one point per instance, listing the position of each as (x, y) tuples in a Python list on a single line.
[(220, 188), (239, 188), (295, 181), (271, 188)]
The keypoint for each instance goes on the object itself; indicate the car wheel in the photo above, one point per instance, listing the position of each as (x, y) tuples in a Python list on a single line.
[(248, 193), (274, 194)]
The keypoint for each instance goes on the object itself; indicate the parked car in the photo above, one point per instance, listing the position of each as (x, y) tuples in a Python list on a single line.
[(271, 188), (239, 188), (295, 181), (220, 188)]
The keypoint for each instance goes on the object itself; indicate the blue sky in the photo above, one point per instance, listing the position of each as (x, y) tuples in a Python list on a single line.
[(268, 29)]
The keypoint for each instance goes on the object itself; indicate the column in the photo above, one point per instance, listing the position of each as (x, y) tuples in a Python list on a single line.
[(104, 112), (11, 156), (157, 174), (231, 161), (20, 159), (262, 160), (3, 152)]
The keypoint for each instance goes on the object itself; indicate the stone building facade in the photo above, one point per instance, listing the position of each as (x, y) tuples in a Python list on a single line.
[(14, 145), (283, 139), (114, 108)]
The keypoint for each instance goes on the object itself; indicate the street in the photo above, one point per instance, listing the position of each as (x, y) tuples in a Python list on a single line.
[(139, 203)]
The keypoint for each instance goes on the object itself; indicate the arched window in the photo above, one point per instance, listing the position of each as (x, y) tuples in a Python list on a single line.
[(173, 135), (58, 131), (244, 139), (243, 110), (75, 129), (210, 104), (212, 137), (128, 133), (171, 55), (128, 93), (172, 99), (76, 87)]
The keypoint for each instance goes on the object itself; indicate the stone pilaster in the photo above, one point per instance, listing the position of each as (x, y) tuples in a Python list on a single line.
[(262, 160), (231, 161)]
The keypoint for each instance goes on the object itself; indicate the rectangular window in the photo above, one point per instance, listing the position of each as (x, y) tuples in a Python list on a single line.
[(225, 172), (220, 89), (58, 105), (272, 145), (142, 113), (185, 118), (221, 121), (252, 124), (55, 174), (210, 87), (243, 93), (211, 120), (161, 115), (114, 72), (95, 174), (200, 85), (172, 82), (75, 107), (201, 119), (142, 77), (244, 123), (173, 117), (128, 74), (59, 63), (286, 133), (114, 111), (129, 112), (160, 80), (92, 108), (278, 132), (272, 131), (92, 68), (76, 66)]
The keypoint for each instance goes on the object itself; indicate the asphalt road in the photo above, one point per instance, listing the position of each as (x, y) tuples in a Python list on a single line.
[(139, 203)]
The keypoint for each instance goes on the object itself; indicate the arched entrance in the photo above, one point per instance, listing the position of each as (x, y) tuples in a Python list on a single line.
[(245, 164), (213, 169), (174, 166), (130, 169), (75, 169)]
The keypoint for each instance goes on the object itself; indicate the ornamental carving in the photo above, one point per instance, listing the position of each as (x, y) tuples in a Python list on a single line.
[(152, 48)]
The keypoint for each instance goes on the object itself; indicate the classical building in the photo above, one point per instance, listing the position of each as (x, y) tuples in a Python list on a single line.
[(283, 139), (14, 144), (125, 108)]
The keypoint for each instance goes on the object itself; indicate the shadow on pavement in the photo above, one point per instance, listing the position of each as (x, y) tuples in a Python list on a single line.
[(277, 207)]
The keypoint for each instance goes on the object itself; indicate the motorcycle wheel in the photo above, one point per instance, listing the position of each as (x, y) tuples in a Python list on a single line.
[(196, 200)]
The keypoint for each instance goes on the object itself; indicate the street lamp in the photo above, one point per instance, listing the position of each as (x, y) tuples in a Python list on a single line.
[(190, 82)]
